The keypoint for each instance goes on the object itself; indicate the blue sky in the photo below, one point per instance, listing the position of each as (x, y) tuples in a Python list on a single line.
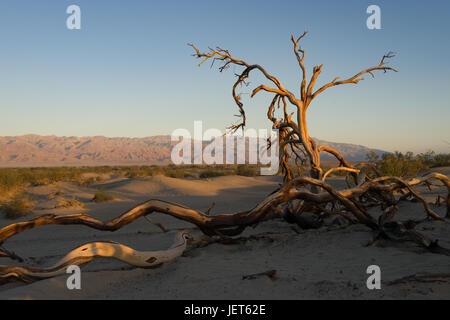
[(128, 71)]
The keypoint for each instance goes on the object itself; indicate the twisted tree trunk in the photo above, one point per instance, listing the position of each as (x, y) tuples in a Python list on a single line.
[(292, 133), (233, 223), (296, 195)]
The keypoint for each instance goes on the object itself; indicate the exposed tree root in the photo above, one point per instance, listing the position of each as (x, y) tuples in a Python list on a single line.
[(89, 251), (402, 231), (350, 203), (297, 196), (235, 223)]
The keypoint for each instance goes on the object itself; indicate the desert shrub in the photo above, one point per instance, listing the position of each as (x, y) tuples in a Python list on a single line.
[(210, 173), (69, 203), (372, 156), (132, 173), (158, 172), (399, 164), (44, 176), (139, 171), (440, 160), (103, 196), (433, 160), (9, 180), (246, 170), (102, 169), (177, 173), (407, 165), (19, 206), (87, 182)]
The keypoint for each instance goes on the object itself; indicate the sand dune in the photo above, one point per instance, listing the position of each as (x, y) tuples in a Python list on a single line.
[(325, 263)]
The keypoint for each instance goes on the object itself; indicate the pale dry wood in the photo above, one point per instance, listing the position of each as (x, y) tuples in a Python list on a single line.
[(297, 194), (330, 171), (233, 223), (89, 251), (229, 224)]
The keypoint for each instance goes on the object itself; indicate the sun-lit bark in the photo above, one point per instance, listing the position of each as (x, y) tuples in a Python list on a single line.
[(295, 132), (231, 224), (99, 249), (296, 196)]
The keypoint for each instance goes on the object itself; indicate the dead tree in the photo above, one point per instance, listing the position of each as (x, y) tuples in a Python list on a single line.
[(296, 196), (293, 129)]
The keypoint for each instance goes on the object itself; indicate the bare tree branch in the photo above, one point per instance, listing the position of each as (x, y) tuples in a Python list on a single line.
[(298, 49), (357, 77)]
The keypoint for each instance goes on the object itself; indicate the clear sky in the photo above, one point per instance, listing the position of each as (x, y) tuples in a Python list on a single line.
[(128, 71)]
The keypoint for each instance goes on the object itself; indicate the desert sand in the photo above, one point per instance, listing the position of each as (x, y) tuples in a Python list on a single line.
[(325, 263)]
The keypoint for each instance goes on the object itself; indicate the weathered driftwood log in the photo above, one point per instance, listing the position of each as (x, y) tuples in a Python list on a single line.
[(234, 223), (89, 251), (311, 194), (351, 206)]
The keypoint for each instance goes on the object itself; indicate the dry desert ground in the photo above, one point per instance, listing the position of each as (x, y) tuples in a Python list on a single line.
[(325, 263)]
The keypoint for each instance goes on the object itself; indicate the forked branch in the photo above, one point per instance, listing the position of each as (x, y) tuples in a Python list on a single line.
[(356, 78)]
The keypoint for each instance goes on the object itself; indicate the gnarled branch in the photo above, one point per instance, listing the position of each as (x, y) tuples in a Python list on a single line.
[(89, 251), (356, 78)]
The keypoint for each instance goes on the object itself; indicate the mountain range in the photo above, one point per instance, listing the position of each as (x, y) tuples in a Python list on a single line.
[(38, 151)]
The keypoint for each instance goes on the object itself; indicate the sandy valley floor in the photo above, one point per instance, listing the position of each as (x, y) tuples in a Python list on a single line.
[(325, 263)]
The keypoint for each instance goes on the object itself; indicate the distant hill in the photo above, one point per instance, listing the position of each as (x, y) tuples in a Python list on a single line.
[(35, 150), (351, 152)]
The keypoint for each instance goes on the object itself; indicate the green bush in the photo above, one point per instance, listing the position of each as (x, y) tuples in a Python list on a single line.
[(87, 182), (9, 180), (12, 178), (399, 164), (103, 196), (210, 173), (131, 174), (177, 173), (19, 206), (246, 170), (372, 156), (140, 171), (433, 160)]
